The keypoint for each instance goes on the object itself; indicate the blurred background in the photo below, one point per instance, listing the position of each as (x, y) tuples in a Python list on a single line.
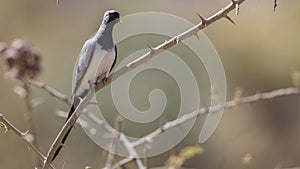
[(259, 53)]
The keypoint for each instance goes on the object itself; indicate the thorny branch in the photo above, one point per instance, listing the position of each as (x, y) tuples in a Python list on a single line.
[(173, 41), (223, 13), (26, 137), (143, 59)]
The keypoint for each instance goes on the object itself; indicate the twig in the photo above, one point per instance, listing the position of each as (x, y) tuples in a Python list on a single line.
[(133, 154), (230, 104), (146, 152), (26, 137), (111, 155), (50, 90), (29, 117), (69, 124), (128, 145), (123, 162), (168, 44)]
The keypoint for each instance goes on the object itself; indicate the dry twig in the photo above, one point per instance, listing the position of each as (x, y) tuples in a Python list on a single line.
[(26, 137), (49, 90), (29, 117), (230, 104), (69, 124), (111, 155)]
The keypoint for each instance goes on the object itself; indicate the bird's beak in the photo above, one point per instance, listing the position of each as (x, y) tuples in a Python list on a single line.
[(120, 21)]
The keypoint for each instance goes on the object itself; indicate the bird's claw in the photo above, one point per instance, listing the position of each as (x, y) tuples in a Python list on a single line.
[(99, 80), (104, 80)]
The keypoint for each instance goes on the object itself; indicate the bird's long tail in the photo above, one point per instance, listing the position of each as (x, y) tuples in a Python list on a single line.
[(65, 137)]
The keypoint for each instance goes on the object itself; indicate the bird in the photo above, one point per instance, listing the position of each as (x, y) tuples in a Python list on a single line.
[(97, 58)]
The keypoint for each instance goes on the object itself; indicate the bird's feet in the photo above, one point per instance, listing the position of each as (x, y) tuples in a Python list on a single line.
[(104, 80), (101, 79)]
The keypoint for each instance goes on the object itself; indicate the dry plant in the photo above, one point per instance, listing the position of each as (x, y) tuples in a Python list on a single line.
[(23, 61)]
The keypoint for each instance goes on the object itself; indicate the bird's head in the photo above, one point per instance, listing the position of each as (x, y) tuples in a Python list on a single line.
[(111, 17)]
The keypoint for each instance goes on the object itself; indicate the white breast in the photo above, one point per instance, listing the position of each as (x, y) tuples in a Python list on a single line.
[(101, 63), (106, 61)]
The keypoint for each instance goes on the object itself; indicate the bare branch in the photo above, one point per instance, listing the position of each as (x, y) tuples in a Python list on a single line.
[(29, 117), (111, 155), (26, 137), (50, 90), (230, 104), (128, 145), (131, 149), (147, 149), (68, 125), (123, 162)]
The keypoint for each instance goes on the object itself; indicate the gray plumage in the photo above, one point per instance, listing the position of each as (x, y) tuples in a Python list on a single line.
[(97, 57)]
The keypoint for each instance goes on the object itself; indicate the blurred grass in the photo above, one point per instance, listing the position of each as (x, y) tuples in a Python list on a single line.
[(258, 53)]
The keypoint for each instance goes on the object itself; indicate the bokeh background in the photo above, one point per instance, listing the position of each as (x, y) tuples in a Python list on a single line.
[(259, 53)]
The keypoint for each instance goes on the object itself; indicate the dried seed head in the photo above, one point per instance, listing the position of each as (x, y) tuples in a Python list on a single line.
[(23, 58)]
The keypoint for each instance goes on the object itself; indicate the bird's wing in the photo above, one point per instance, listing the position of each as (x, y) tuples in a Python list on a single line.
[(116, 54), (85, 58)]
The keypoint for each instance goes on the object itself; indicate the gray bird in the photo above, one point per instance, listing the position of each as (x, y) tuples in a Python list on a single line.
[(97, 57)]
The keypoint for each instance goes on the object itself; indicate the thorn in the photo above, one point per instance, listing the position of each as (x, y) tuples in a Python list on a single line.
[(275, 5), (25, 133), (203, 20), (196, 35), (151, 49), (4, 126), (228, 18), (237, 7), (177, 40)]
